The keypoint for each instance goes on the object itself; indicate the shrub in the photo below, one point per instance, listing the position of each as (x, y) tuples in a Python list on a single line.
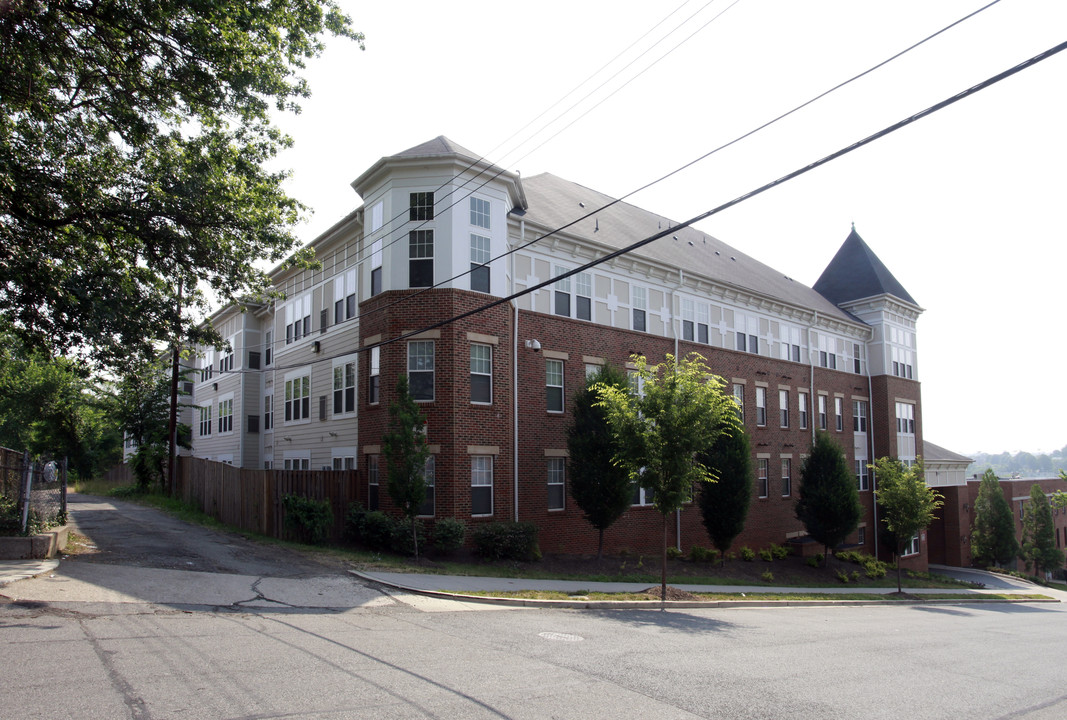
[(855, 576), (766, 555), (377, 530), (780, 552), (703, 554), (674, 553), (507, 541), (448, 534), (767, 576), (402, 541), (842, 576), (747, 553), (872, 566), (354, 517), (310, 519), (813, 561)]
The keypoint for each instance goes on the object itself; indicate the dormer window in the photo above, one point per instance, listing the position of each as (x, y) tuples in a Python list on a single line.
[(421, 207)]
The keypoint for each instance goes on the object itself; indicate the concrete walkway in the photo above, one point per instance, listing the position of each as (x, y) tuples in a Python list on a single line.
[(12, 570)]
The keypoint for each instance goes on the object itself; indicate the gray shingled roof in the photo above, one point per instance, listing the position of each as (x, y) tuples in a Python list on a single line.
[(440, 145), (554, 202), (856, 272), (936, 453)]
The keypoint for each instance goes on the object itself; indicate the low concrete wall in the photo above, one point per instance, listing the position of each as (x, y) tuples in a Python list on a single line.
[(47, 544)]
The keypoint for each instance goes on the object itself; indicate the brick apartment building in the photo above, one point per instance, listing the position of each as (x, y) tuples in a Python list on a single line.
[(307, 381)]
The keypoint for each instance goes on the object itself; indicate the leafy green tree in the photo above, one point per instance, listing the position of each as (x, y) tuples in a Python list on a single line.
[(406, 452), (993, 534), (1039, 533), (142, 407), (600, 487), (724, 503), (134, 140), (828, 502), (673, 415), (907, 504)]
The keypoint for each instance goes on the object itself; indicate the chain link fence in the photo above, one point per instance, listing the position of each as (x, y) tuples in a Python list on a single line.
[(33, 493)]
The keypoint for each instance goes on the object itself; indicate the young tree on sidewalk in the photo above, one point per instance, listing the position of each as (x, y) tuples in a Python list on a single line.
[(406, 452), (907, 504)]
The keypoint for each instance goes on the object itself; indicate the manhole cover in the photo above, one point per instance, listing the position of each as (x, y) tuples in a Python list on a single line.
[(561, 637)]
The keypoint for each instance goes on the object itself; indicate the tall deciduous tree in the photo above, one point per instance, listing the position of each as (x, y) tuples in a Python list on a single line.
[(828, 503), (907, 505), (993, 534), (600, 487), (673, 414), (1039, 533), (724, 503), (406, 452), (134, 138)]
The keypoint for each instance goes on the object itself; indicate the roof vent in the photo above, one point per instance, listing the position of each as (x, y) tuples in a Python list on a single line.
[(716, 252), (581, 204), (733, 258), (675, 238), (690, 243)]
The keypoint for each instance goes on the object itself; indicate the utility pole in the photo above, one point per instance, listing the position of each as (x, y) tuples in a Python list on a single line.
[(172, 434)]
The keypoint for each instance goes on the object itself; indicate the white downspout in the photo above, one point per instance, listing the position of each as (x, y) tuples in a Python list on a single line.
[(515, 379), (811, 381), (674, 331), (870, 439)]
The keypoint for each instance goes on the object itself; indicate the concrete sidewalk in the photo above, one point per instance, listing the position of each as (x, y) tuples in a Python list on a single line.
[(12, 570)]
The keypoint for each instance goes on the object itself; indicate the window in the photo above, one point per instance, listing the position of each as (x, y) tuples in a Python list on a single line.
[(374, 376), (763, 471), (344, 297), (583, 294), (554, 385), (642, 496), (802, 405), (298, 398), (429, 473), (761, 406), (905, 419), (702, 322), (268, 347), (420, 258), (480, 263), (421, 206), (208, 367), (376, 267), (226, 361), (862, 480), (912, 548), (480, 212), (688, 321), (857, 359), (822, 412), (839, 414), (297, 463), (344, 462), (783, 407), (859, 416), (298, 318), (254, 358), (556, 489), (562, 293), (861, 535), (268, 412), (344, 388), (481, 485), (205, 421), (640, 307), (372, 482), (739, 398), (746, 327), (481, 373), (787, 480), (420, 369), (226, 415)]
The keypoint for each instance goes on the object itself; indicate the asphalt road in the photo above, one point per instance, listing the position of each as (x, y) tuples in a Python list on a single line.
[(104, 639)]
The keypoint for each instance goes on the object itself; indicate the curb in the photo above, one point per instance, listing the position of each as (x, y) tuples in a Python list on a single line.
[(32, 570), (678, 604)]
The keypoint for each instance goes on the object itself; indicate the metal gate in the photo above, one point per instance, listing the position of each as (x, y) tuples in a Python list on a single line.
[(33, 493)]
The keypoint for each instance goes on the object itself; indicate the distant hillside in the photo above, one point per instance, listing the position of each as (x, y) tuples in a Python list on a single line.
[(1023, 464)]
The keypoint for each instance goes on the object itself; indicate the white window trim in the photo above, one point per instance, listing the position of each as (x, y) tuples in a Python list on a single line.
[(342, 362)]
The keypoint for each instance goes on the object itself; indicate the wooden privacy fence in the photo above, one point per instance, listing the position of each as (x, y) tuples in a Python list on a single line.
[(252, 499)]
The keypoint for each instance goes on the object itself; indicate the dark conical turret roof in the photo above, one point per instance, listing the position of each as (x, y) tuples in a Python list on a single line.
[(856, 272)]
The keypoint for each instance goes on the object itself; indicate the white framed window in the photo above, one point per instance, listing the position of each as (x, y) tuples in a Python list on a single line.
[(912, 547), (746, 329), (481, 374), (481, 485), (839, 414), (205, 421), (226, 358), (702, 322), (429, 476), (268, 347), (298, 396), (822, 413), (787, 477), (297, 460), (344, 386), (343, 458), (480, 256), (862, 478), (344, 296), (763, 469), (802, 406), (372, 482), (226, 414), (376, 265), (480, 212), (420, 258), (297, 318), (688, 319), (583, 296), (556, 487), (859, 416), (761, 406), (905, 419), (420, 206), (268, 412), (783, 408), (561, 293), (421, 370), (642, 496), (739, 398), (640, 308), (861, 535), (374, 376), (857, 358), (790, 337), (208, 368), (554, 385)]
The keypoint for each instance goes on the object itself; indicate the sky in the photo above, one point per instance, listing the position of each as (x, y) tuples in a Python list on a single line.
[(965, 207)]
